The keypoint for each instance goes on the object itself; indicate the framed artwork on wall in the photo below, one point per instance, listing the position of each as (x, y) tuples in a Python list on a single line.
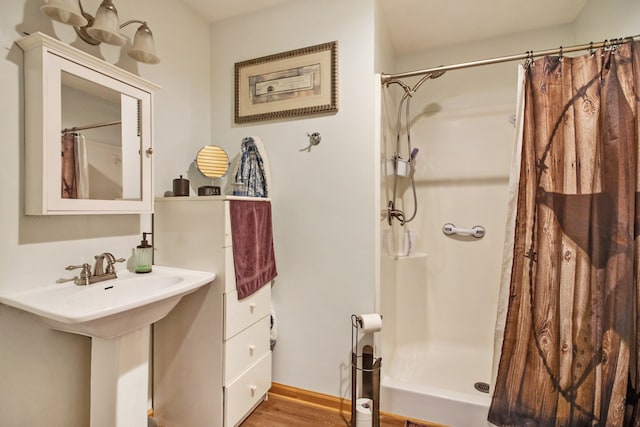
[(288, 84)]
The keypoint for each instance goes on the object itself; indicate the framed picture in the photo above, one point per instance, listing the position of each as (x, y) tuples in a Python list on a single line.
[(294, 83)]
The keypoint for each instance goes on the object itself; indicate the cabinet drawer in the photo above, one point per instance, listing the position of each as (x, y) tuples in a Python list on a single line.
[(238, 315), (245, 349), (246, 391)]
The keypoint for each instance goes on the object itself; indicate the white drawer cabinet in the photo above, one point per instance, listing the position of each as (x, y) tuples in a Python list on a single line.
[(212, 362)]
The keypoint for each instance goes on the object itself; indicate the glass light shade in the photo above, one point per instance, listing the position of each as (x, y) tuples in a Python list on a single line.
[(143, 48), (106, 27), (65, 11)]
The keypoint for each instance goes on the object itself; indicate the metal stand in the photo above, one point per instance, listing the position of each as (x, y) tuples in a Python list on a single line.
[(370, 370)]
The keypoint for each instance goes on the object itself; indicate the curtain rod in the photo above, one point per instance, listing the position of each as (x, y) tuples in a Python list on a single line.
[(97, 125), (387, 78)]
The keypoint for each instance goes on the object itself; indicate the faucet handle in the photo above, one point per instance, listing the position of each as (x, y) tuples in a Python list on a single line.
[(85, 267), (110, 263), (85, 274)]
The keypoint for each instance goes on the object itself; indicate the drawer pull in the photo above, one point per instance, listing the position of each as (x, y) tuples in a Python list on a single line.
[(253, 389), (252, 307), (252, 349)]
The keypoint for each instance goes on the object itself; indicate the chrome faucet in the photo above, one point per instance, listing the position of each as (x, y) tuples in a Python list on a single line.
[(98, 267), (99, 272)]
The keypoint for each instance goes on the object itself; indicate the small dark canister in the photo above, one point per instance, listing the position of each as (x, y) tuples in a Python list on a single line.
[(180, 187)]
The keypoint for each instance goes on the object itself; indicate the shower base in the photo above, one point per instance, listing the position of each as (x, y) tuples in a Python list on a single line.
[(435, 383)]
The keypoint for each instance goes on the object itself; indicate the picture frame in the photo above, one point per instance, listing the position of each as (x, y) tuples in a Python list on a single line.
[(294, 83)]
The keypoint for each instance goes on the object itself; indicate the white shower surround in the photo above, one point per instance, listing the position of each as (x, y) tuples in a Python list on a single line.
[(439, 305)]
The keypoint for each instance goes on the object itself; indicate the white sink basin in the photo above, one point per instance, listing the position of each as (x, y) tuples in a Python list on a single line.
[(111, 308)]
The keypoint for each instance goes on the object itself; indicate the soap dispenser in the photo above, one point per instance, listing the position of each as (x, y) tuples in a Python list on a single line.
[(144, 255)]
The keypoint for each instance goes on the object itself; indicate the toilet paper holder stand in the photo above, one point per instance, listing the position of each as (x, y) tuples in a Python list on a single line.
[(369, 368)]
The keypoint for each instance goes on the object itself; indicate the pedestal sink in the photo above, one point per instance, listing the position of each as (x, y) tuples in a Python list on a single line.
[(116, 314)]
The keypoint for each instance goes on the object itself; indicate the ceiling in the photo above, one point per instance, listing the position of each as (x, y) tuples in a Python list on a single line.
[(416, 25), (217, 10)]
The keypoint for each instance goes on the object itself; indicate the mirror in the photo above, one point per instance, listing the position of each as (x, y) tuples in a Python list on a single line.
[(101, 127), (212, 161)]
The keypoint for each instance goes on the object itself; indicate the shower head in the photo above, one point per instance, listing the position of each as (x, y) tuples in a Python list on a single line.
[(436, 74)]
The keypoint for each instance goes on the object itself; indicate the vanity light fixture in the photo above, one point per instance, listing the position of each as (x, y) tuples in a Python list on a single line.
[(104, 28)]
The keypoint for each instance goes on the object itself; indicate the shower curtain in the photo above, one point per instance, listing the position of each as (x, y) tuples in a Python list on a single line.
[(571, 335), (74, 166), (69, 188)]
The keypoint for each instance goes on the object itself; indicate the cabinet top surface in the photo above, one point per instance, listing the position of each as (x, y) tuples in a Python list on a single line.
[(210, 198)]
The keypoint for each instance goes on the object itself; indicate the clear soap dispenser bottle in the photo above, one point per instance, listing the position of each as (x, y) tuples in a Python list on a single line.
[(144, 255)]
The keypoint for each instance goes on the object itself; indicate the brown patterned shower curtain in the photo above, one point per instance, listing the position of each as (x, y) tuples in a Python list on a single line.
[(571, 340)]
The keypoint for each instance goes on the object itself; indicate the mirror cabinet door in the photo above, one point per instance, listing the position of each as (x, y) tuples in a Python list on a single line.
[(102, 121), (88, 142)]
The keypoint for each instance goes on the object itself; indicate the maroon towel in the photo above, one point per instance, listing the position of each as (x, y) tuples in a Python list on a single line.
[(252, 238)]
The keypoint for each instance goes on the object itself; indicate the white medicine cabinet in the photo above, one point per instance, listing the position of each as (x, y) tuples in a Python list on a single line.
[(88, 133)]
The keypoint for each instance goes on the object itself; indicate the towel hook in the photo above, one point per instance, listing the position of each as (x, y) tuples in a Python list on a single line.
[(314, 139)]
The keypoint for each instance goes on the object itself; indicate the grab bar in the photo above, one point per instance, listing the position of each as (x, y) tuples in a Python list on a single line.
[(477, 231)]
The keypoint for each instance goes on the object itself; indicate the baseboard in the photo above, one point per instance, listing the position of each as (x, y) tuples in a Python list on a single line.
[(329, 402), (312, 397)]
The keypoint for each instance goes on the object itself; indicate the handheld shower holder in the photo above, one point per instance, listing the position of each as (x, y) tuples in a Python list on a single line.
[(399, 167)]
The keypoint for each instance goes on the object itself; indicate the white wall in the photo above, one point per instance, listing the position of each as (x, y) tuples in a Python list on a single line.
[(324, 211), (607, 19), (45, 374)]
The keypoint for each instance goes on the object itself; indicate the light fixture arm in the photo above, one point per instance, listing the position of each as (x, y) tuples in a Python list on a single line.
[(81, 8), (82, 31), (132, 21)]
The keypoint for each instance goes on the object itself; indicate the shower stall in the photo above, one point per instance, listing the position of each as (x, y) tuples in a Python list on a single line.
[(445, 164), (439, 292)]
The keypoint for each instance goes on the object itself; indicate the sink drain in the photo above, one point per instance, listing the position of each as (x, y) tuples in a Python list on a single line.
[(482, 387)]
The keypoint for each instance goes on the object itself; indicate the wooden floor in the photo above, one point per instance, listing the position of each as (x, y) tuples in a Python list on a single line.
[(282, 411)]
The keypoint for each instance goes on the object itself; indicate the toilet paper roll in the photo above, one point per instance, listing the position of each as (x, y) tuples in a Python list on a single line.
[(364, 412), (370, 322)]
